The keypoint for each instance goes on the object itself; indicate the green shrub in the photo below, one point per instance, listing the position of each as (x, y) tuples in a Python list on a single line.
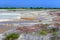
[(54, 29), (43, 32), (12, 36)]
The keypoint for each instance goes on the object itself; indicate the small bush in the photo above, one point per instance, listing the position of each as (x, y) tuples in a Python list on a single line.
[(12, 36)]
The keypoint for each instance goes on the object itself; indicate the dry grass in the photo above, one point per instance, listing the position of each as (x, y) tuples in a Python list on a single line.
[(3, 29)]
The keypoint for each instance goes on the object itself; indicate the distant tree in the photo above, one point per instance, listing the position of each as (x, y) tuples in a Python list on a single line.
[(31, 7)]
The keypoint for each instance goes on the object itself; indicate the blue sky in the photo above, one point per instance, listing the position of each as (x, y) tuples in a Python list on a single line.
[(30, 3)]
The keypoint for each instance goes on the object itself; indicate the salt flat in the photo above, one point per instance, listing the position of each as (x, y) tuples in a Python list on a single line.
[(11, 17)]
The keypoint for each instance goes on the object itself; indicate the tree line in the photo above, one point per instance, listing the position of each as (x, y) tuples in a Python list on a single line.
[(26, 8)]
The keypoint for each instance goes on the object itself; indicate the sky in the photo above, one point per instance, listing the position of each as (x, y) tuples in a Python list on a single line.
[(30, 3)]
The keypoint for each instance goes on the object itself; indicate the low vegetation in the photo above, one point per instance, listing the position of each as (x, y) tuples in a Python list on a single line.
[(12, 36), (43, 32)]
